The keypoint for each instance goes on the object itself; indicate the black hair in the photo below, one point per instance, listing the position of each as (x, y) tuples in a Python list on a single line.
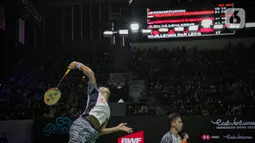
[(173, 117)]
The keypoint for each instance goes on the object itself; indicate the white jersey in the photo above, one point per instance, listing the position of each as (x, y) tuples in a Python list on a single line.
[(170, 138), (97, 105)]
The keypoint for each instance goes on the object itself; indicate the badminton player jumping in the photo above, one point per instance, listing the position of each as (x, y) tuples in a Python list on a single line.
[(93, 121)]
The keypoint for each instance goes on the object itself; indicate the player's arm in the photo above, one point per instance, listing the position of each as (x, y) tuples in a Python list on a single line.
[(103, 130), (86, 70), (121, 127), (89, 73)]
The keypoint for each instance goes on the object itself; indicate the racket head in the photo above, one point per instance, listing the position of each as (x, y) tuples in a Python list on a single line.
[(52, 96)]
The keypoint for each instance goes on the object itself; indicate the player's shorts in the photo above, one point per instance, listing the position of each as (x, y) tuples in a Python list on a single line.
[(81, 131)]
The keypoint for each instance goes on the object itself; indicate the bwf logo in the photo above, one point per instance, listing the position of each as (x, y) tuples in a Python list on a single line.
[(131, 140), (235, 18), (137, 137)]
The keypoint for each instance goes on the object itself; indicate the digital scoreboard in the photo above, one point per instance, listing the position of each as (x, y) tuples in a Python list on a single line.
[(190, 22)]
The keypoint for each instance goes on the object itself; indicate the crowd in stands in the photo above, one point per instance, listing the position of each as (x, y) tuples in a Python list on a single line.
[(189, 81), (22, 94), (193, 81)]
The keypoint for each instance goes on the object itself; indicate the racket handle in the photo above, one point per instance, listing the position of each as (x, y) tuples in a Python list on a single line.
[(68, 70)]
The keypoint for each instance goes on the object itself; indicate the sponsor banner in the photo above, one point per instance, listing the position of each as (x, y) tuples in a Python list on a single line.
[(147, 129), (52, 129), (208, 137), (137, 137), (237, 137), (227, 129), (236, 124), (61, 126), (150, 129), (16, 131), (232, 137)]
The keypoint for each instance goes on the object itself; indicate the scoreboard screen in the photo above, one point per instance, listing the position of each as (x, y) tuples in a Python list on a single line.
[(168, 23)]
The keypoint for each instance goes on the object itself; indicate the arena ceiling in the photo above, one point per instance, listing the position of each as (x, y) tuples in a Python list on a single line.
[(68, 2), (44, 5)]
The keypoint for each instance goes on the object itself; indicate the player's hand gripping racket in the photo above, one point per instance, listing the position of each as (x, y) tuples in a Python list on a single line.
[(52, 95)]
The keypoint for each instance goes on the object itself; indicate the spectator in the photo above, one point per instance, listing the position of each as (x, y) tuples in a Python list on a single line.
[(181, 80)]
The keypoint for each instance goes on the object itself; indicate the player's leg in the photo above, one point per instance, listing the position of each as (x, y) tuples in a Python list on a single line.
[(76, 128), (89, 133)]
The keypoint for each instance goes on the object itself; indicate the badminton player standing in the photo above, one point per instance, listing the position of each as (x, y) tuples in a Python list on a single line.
[(175, 123), (92, 123)]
